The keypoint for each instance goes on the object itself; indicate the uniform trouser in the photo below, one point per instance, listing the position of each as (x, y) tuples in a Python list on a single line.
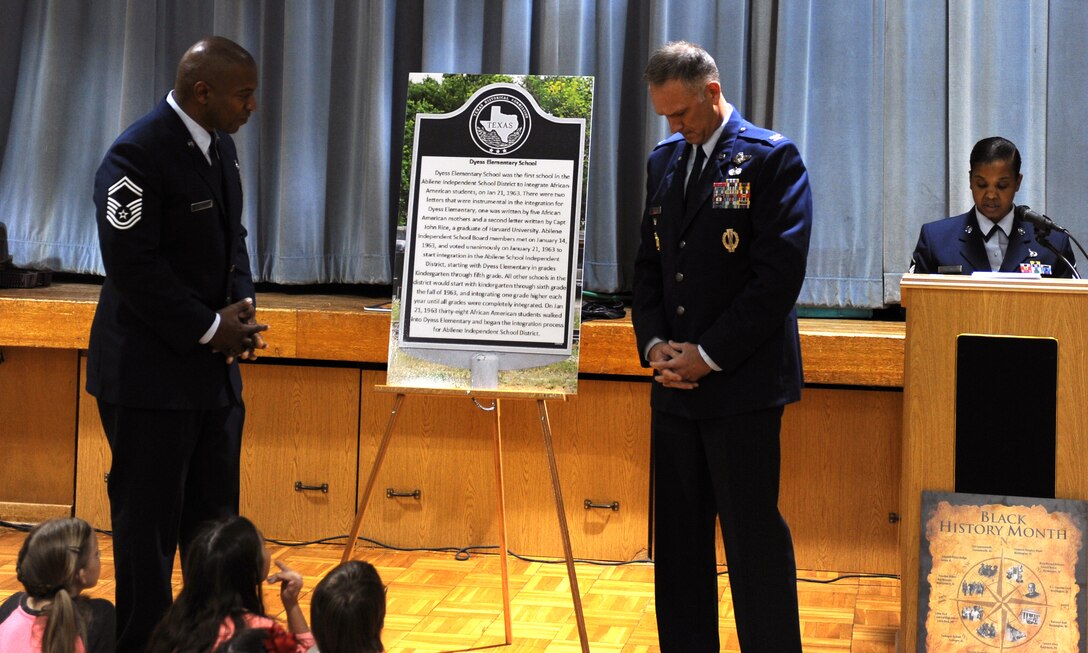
[(172, 472), (727, 467)]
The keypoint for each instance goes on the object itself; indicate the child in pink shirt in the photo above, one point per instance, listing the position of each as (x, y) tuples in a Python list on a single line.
[(58, 560), (221, 594)]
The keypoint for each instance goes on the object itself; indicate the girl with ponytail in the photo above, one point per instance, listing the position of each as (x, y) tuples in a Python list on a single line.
[(57, 561)]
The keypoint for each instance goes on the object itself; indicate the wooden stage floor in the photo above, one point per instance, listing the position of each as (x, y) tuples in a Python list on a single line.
[(439, 603)]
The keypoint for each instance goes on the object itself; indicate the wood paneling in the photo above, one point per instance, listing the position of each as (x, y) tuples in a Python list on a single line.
[(32, 513), (840, 478), (852, 352), (840, 446), (302, 425), (38, 425), (602, 449), (940, 308), (441, 446), (337, 328), (92, 501), (57, 316), (839, 469), (840, 475)]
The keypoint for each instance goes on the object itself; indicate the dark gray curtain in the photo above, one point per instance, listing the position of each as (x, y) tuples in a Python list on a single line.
[(883, 97)]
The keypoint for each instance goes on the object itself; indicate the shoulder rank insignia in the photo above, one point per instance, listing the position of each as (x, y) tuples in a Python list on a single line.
[(124, 203)]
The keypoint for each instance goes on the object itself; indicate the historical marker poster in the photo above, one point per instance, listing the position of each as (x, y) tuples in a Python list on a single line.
[(489, 287), (1001, 574)]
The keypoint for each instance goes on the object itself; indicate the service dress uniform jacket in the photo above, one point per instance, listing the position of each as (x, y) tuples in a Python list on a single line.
[(956, 245), (172, 241), (174, 249), (725, 273), (723, 270)]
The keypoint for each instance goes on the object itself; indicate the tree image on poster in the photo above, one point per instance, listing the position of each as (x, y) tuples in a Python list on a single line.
[(560, 96)]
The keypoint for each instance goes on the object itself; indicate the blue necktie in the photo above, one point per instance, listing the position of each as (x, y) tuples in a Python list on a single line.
[(696, 171)]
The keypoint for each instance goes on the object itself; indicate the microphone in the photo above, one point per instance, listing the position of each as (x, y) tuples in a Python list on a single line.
[(1038, 219), (1045, 226)]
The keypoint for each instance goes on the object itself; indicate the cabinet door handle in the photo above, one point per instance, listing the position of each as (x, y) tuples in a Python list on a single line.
[(390, 493), (299, 487), (614, 506)]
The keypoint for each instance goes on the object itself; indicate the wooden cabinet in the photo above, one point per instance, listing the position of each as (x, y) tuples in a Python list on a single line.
[(602, 449), (301, 431), (316, 423), (38, 430), (840, 478), (93, 459), (322, 425), (301, 426), (443, 446)]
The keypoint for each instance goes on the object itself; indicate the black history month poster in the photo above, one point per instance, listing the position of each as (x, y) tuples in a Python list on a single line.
[(1001, 574)]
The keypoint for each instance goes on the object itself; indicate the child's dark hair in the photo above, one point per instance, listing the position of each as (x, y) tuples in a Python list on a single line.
[(222, 578), (348, 610), (48, 565)]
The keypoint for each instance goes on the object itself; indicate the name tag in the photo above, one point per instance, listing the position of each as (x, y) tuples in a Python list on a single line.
[(201, 206)]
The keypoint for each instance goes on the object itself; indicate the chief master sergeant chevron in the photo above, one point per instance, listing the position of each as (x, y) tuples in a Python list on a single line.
[(176, 311), (716, 279)]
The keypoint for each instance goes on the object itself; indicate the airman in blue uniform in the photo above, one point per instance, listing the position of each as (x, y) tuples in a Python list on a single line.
[(991, 237), (175, 313), (719, 269)]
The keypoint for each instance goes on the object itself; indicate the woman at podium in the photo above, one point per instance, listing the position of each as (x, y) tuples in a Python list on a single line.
[(992, 236)]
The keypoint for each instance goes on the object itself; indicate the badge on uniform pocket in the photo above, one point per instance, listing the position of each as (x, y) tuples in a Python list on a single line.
[(730, 240), (201, 206)]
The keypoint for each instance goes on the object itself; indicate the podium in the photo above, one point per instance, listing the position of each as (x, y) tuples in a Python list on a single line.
[(939, 309)]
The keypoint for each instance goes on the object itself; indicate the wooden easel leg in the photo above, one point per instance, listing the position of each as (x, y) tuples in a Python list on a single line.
[(561, 513), (349, 546), (502, 524)]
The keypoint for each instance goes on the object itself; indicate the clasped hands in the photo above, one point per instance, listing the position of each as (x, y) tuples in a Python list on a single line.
[(678, 364), (239, 335)]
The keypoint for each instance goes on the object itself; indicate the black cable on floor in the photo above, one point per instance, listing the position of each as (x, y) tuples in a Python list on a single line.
[(465, 553)]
